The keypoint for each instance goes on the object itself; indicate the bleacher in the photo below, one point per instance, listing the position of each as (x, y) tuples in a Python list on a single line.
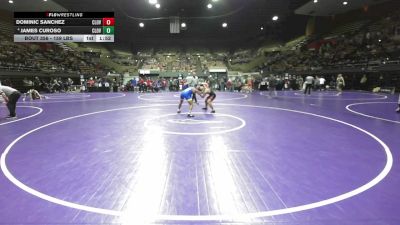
[(348, 28), (6, 28)]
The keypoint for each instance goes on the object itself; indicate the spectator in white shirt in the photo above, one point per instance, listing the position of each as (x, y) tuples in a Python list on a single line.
[(322, 83), (309, 82)]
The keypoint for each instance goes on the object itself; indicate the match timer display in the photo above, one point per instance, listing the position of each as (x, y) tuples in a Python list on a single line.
[(64, 26)]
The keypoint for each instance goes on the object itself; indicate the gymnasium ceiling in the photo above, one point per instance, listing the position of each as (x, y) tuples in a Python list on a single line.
[(331, 7), (244, 17)]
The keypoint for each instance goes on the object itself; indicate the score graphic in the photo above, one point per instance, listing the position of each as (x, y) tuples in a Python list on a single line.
[(108, 25), (64, 26)]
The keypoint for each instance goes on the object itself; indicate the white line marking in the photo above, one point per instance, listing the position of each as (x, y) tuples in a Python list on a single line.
[(218, 127), (66, 96), (217, 99), (348, 107), (192, 121), (147, 124), (83, 100), (381, 97), (246, 217), (321, 94), (24, 118)]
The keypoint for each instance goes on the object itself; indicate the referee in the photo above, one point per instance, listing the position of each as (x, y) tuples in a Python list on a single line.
[(10, 96), (309, 82)]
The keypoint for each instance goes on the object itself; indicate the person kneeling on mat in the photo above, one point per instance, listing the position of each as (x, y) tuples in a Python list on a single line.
[(33, 95)]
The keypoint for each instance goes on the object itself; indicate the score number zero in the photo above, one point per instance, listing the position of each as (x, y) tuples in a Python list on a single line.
[(100, 30), (104, 22)]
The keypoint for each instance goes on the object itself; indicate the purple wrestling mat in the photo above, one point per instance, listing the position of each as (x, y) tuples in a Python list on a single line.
[(115, 158)]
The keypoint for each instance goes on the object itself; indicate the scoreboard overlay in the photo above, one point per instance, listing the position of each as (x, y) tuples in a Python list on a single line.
[(64, 26)]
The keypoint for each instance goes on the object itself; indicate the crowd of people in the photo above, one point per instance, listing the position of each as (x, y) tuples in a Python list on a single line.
[(376, 43), (180, 61), (144, 84), (371, 45), (46, 85), (306, 83), (46, 57)]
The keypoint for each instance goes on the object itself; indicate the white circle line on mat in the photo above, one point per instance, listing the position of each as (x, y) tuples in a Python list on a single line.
[(330, 98), (83, 100), (224, 217), (156, 99), (40, 110), (242, 124), (348, 108)]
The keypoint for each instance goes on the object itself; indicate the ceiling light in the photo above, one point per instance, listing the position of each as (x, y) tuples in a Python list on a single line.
[(183, 25), (275, 18), (261, 28), (345, 3), (45, 0), (158, 5), (224, 25), (10, 1), (209, 6), (141, 24), (153, 2), (315, 1), (214, 0)]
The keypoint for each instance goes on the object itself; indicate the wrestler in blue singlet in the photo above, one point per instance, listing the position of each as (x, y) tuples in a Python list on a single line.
[(187, 94)]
